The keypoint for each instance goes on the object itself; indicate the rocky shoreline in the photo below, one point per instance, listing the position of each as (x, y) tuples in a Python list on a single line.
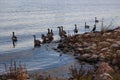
[(94, 47)]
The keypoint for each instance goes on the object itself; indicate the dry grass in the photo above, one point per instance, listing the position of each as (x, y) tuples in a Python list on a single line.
[(14, 72)]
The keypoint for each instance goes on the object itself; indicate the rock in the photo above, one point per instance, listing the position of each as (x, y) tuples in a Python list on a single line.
[(85, 56), (110, 40), (114, 61), (93, 46), (118, 51), (107, 34), (76, 45), (60, 45), (93, 58), (85, 44), (101, 57), (104, 44), (79, 50), (105, 76), (118, 42), (104, 49), (66, 50), (115, 46), (116, 68)]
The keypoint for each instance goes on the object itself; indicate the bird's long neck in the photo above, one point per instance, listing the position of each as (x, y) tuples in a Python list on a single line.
[(62, 28), (75, 27), (48, 30), (59, 29), (51, 30), (13, 34)]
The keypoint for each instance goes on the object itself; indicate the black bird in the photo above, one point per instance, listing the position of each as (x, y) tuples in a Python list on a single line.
[(52, 32), (48, 31), (94, 28), (14, 39)]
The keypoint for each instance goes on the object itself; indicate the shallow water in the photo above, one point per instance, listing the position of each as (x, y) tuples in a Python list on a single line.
[(42, 58), (29, 17)]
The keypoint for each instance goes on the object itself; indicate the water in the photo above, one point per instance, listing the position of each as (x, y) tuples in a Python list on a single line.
[(42, 58), (29, 17)]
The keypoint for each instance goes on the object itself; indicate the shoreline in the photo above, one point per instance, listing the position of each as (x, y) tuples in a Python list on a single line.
[(90, 47)]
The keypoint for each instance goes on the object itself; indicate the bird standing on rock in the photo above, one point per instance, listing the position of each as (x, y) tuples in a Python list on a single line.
[(94, 28)]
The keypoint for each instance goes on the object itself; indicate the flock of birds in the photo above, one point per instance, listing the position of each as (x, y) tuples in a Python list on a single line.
[(49, 37)]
